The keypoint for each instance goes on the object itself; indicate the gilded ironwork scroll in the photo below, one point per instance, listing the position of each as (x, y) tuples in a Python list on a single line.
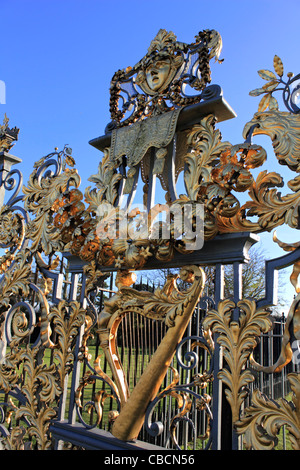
[(261, 421), (28, 322)]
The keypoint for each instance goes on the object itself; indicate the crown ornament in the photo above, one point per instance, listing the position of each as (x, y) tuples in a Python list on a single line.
[(8, 136)]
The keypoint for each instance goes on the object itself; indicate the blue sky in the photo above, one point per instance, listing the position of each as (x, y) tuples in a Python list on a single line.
[(58, 57)]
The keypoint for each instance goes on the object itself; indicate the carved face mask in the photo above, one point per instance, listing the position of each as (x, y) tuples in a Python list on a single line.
[(157, 74)]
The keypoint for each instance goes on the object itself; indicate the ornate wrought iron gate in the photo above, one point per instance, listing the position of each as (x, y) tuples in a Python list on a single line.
[(91, 359)]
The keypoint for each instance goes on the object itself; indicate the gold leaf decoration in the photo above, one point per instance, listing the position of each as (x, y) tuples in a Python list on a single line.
[(257, 92), (283, 129), (278, 66), (207, 147), (16, 279), (44, 383), (262, 420), (39, 198), (270, 86), (273, 104), (267, 74), (67, 319), (264, 103)]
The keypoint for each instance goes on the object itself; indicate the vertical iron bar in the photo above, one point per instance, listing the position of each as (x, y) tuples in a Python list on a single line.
[(152, 182), (77, 364), (170, 162), (271, 356), (217, 365), (237, 293), (283, 377)]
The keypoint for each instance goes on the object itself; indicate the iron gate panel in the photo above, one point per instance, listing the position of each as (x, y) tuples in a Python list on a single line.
[(90, 358)]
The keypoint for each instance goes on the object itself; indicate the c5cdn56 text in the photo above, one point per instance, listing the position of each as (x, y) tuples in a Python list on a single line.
[(171, 459)]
